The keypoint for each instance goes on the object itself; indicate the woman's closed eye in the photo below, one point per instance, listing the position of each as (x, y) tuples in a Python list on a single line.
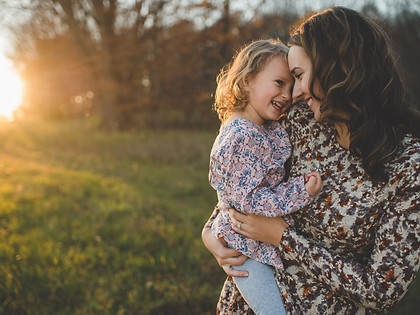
[(298, 76)]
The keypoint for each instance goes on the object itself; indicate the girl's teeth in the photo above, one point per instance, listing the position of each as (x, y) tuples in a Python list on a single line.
[(276, 104)]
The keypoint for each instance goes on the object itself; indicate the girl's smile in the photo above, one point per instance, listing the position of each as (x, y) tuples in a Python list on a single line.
[(269, 92)]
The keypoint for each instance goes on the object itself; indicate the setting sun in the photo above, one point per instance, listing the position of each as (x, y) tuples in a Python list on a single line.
[(10, 92)]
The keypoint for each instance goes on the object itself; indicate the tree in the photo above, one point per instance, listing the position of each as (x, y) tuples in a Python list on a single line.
[(149, 62), (113, 41)]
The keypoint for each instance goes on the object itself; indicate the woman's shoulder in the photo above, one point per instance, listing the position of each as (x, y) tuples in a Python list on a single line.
[(412, 143), (406, 166), (302, 127), (298, 119), (411, 151), (298, 113)]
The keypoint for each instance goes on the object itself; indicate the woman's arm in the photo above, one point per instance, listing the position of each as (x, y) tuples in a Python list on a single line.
[(263, 229), (226, 257), (378, 284)]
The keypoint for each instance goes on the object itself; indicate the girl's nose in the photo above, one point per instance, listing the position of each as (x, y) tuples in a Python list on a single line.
[(287, 95)]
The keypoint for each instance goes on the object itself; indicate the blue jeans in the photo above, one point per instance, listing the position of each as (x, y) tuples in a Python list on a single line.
[(260, 288)]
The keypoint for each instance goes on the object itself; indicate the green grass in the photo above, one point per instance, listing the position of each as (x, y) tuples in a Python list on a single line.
[(107, 223), (94, 223)]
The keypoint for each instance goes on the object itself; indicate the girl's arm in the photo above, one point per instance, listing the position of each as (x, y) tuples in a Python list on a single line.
[(379, 284)]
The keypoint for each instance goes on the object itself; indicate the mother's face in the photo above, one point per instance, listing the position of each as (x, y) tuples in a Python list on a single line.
[(301, 68)]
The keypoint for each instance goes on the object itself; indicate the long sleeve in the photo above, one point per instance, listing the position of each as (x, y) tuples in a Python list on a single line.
[(213, 216), (393, 263)]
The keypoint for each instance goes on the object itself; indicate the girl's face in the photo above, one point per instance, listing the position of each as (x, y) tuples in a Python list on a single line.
[(269, 92), (301, 68)]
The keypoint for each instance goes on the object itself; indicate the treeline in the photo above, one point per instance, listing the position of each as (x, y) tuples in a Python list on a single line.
[(153, 63)]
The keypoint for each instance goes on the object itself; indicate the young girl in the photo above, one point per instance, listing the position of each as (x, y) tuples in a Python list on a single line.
[(247, 162)]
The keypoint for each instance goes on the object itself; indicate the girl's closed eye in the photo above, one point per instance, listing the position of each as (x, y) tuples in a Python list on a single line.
[(280, 82)]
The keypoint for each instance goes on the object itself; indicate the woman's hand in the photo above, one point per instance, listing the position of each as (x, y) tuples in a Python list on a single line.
[(225, 256), (259, 228)]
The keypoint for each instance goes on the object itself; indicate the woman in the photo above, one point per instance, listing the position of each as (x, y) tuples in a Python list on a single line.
[(356, 248)]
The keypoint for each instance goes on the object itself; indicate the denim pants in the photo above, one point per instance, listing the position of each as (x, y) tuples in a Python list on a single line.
[(260, 288)]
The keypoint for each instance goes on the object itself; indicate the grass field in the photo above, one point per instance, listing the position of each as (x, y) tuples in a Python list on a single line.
[(97, 223)]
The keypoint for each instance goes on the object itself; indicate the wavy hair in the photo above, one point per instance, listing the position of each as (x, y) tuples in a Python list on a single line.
[(230, 96), (356, 69)]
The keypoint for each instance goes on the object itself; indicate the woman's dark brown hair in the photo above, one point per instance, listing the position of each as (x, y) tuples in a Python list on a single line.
[(353, 62)]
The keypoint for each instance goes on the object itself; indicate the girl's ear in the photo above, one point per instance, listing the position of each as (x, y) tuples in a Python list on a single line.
[(244, 84)]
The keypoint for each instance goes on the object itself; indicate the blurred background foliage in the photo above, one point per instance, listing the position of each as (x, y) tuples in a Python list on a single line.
[(153, 63)]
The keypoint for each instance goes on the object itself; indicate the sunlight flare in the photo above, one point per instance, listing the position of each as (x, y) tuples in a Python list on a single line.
[(10, 92)]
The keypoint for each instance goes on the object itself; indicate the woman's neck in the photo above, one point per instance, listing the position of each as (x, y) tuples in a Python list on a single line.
[(343, 134)]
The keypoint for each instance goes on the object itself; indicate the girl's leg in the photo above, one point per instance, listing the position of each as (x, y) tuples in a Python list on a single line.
[(260, 288)]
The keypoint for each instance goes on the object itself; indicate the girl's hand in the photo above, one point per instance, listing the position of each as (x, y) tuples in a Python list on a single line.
[(226, 257), (259, 228), (313, 183)]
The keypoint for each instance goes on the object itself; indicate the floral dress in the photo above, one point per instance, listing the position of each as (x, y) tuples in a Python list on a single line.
[(356, 248), (247, 170)]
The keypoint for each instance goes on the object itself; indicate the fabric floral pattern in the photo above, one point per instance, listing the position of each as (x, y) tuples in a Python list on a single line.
[(356, 248), (247, 171)]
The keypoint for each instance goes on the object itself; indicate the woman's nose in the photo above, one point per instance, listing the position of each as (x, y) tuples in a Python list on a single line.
[(297, 92)]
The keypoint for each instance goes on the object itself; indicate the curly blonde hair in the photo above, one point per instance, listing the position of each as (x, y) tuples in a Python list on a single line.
[(230, 96)]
